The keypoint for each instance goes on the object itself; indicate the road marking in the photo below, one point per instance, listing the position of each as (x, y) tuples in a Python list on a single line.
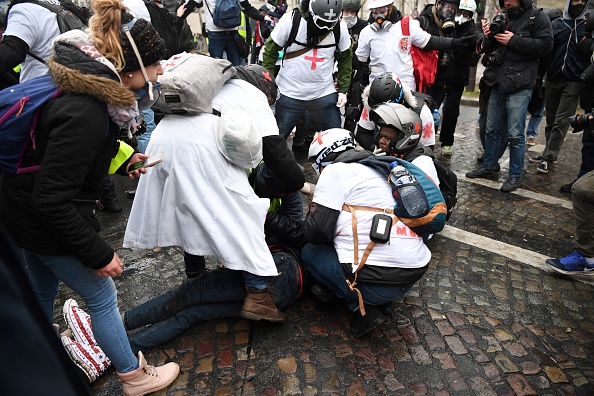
[(512, 252), (520, 191)]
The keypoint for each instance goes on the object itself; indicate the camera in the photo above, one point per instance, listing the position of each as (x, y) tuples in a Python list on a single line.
[(580, 121), (494, 58), (498, 25)]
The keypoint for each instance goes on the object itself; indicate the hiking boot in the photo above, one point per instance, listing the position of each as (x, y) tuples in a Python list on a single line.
[(539, 158), (361, 325), (446, 150), (148, 379), (511, 184), (480, 173), (323, 294), (574, 263), (89, 358), (543, 167), (566, 188), (258, 305), (109, 201), (531, 141), (79, 322)]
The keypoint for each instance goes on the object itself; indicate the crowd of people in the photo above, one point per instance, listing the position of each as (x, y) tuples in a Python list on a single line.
[(355, 87)]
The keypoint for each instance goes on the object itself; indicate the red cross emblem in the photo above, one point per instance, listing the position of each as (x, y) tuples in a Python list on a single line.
[(417, 127), (314, 59), (319, 137), (427, 132), (266, 76)]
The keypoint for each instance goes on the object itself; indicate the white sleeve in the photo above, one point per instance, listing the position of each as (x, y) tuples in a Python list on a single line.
[(280, 33), (425, 163), (363, 47), (345, 38), (418, 36), (328, 189)]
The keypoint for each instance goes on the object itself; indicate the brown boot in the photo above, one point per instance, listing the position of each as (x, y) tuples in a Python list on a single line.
[(258, 305), (147, 379)]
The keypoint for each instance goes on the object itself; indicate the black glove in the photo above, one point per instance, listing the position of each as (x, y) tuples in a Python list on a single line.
[(463, 42), (585, 46)]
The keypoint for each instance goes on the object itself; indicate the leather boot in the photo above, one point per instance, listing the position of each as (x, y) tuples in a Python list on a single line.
[(147, 379), (109, 199), (258, 305)]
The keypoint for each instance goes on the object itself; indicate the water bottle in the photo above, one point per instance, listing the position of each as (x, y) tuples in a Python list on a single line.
[(411, 193), (436, 119)]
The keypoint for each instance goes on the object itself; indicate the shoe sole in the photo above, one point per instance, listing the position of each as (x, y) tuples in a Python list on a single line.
[(542, 171), (588, 272), (539, 160), (256, 317)]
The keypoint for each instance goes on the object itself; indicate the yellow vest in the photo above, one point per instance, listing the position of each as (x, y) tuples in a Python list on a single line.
[(242, 29)]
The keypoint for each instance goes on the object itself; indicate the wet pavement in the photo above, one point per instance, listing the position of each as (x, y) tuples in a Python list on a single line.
[(486, 319)]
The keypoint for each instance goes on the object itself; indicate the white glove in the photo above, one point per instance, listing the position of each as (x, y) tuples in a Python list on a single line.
[(342, 99)]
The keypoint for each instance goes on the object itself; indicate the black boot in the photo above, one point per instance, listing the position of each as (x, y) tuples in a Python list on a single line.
[(109, 200), (361, 325)]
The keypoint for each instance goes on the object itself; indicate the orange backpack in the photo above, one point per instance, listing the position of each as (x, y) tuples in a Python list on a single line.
[(424, 61)]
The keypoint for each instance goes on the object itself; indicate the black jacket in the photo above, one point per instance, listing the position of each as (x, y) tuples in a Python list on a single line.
[(566, 60), (518, 67), (52, 211), (464, 58)]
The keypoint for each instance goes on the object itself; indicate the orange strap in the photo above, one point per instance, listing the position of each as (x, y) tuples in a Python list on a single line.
[(368, 249)]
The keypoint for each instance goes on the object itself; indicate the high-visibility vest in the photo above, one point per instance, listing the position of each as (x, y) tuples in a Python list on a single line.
[(242, 29)]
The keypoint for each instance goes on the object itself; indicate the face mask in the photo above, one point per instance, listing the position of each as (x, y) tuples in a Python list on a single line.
[(350, 20), (575, 10), (146, 98), (461, 19)]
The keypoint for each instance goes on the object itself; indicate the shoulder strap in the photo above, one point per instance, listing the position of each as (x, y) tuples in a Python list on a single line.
[(405, 29), (531, 17), (296, 21)]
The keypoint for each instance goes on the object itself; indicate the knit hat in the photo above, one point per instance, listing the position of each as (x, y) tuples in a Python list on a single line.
[(150, 45)]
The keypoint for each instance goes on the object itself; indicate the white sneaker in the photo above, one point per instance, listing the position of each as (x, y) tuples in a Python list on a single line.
[(79, 323), (89, 358)]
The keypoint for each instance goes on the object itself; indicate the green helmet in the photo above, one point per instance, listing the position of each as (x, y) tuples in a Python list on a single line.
[(354, 5)]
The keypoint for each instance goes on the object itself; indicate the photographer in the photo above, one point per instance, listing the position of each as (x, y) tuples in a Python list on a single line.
[(513, 44), (569, 58)]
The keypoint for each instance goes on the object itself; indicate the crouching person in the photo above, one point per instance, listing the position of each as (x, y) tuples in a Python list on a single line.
[(338, 238)]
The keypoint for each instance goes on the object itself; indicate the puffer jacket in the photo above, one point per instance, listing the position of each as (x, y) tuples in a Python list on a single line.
[(52, 211), (518, 67)]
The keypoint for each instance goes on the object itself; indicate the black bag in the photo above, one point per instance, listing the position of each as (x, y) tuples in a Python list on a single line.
[(165, 24), (537, 97), (448, 185), (242, 46)]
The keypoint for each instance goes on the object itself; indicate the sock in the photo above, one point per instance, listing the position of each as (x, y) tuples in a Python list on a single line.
[(589, 260)]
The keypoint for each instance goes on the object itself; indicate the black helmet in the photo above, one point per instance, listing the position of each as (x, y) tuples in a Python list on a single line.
[(325, 13), (385, 88), (353, 5), (261, 78), (407, 123)]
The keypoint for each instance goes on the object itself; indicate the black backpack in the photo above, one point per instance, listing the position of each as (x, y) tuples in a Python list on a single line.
[(448, 185), (165, 23), (296, 21), (65, 18)]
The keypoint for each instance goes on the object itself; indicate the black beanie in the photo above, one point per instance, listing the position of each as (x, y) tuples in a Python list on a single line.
[(150, 45)]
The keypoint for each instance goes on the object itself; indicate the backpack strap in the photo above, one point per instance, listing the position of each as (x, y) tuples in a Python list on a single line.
[(368, 249), (404, 24)]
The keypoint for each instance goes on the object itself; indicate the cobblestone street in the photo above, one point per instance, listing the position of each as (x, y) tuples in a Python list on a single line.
[(486, 319)]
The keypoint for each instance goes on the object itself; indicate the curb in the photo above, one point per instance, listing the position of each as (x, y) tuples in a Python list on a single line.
[(469, 101)]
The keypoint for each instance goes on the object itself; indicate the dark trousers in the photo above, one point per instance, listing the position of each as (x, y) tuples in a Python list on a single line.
[(450, 112)]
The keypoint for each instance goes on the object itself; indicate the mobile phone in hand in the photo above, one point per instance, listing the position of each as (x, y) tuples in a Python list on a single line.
[(151, 161)]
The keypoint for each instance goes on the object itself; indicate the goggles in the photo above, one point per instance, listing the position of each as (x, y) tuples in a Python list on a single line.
[(149, 85), (380, 10), (321, 23)]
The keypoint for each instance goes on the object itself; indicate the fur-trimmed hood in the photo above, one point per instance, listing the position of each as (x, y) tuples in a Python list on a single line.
[(78, 67)]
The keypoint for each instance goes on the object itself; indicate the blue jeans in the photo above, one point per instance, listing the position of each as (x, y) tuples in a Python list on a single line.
[(213, 295), (321, 262), (535, 119), (98, 293), (143, 140), (323, 111), (515, 105), (219, 42)]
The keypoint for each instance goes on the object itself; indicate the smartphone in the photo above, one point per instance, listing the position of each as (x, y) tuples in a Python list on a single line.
[(154, 160)]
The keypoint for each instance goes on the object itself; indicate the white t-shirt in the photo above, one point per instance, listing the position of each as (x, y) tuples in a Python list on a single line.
[(308, 76), (357, 184), (37, 26), (389, 51), (427, 135)]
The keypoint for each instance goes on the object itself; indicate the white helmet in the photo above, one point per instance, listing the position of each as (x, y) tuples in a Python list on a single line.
[(326, 146), (467, 5), (371, 4)]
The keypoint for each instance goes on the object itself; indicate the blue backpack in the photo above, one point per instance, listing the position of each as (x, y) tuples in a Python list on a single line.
[(19, 110), (227, 13)]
